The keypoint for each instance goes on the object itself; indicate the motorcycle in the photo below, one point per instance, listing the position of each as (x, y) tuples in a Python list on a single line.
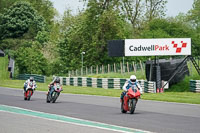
[(29, 91), (130, 100), (54, 93)]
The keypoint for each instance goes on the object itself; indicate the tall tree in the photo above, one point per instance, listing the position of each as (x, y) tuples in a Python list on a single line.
[(31, 60), (194, 14), (44, 7), (155, 9), (19, 19), (163, 28), (90, 33), (133, 11)]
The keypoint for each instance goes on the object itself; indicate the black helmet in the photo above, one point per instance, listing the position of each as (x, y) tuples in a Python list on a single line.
[(57, 80), (31, 78)]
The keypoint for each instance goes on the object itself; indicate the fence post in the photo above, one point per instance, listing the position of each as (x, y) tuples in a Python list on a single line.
[(97, 69), (190, 68), (108, 68), (121, 67), (102, 69), (91, 70), (114, 68), (76, 72), (141, 67), (134, 68), (86, 71), (127, 67)]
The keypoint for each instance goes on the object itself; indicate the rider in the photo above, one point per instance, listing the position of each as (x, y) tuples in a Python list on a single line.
[(132, 81), (55, 80), (31, 79)]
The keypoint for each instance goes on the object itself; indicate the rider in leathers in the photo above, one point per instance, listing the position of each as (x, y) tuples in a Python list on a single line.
[(55, 80), (31, 79), (132, 81)]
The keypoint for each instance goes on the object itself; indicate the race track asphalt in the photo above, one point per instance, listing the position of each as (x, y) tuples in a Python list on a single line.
[(161, 117)]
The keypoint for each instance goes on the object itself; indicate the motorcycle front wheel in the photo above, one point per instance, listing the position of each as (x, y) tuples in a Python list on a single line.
[(29, 95), (132, 105), (55, 96)]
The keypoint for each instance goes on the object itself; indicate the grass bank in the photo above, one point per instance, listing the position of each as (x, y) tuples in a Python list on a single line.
[(4, 74)]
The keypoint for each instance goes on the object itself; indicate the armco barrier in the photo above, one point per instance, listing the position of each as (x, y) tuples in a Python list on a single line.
[(110, 83), (71, 81), (79, 81), (89, 82), (195, 85), (99, 83), (64, 81), (84, 81), (107, 83), (151, 87), (75, 81), (37, 78)]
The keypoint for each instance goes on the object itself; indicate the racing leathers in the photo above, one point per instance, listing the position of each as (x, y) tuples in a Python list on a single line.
[(128, 84), (26, 84)]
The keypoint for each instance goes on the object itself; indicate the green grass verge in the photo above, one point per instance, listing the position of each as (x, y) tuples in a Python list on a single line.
[(4, 74), (180, 97)]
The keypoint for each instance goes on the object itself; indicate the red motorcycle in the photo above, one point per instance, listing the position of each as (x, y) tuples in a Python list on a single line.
[(130, 100), (29, 91)]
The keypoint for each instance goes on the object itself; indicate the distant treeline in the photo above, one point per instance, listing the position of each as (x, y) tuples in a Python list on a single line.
[(42, 42)]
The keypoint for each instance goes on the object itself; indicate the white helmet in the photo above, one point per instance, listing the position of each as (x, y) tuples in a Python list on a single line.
[(133, 78)]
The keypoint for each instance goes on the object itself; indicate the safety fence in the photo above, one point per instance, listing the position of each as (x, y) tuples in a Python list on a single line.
[(37, 78), (106, 83), (195, 85), (120, 67)]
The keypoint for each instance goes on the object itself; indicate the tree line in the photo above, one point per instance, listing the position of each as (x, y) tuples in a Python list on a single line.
[(42, 42)]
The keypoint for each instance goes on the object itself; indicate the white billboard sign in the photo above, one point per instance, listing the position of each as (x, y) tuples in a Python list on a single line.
[(152, 47)]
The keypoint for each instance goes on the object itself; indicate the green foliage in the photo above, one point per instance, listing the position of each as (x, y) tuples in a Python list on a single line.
[(42, 37), (193, 15), (90, 32), (30, 60), (44, 8), (163, 28), (11, 43), (18, 19)]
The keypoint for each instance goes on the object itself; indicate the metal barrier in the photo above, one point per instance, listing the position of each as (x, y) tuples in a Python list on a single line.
[(195, 85), (107, 83), (37, 78)]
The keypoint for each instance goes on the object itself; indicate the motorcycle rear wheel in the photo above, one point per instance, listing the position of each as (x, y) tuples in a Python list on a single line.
[(48, 100), (29, 95), (122, 107)]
